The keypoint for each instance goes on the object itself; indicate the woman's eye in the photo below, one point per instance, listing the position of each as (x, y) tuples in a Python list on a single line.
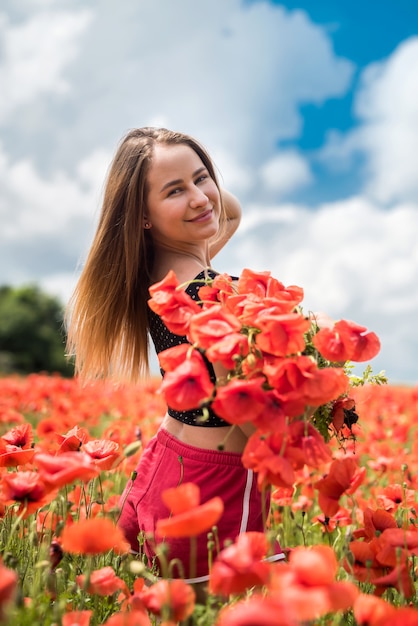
[(174, 191), (201, 178)]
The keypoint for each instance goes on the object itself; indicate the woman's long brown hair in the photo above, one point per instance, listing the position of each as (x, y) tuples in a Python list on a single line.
[(107, 315)]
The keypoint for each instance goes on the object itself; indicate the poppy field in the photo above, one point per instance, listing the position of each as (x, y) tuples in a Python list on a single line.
[(348, 522), (335, 451)]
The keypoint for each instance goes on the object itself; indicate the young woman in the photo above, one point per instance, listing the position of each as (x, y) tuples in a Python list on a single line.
[(163, 210)]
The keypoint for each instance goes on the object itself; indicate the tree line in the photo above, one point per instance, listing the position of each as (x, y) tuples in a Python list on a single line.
[(32, 334)]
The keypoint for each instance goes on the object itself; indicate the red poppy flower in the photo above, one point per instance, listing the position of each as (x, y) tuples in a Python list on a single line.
[(105, 453), (188, 385), (393, 496), (20, 436), (281, 335), (404, 616), (208, 295), (236, 304), (212, 325), (347, 341), (190, 521), (8, 415), (250, 311), (26, 488), (240, 401), (240, 566), (16, 446), (308, 583), (299, 382), (8, 585), (63, 469), (365, 565), (372, 611), (393, 540), (46, 428), (273, 416), (76, 618), (219, 288), (255, 283), (174, 598), (344, 476), (128, 618), (374, 523), (282, 496), (263, 285), (264, 454), (12, 456), (224, 283), (172, 304), (338, 411), (305, 445), (72, 440), (102, 582), (399, 578), (342, 518), (134, 601), (227, 350), (313, 566), (258, 610), (325, 385), (93, 536), (182, 498), (173, 357)]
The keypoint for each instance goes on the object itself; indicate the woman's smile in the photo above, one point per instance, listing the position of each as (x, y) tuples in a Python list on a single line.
[(202, 217)]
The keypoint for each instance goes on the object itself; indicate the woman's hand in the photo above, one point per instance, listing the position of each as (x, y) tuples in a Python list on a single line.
[(226, 230)]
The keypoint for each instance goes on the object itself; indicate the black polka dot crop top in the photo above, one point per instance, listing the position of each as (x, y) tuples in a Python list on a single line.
[(164, 339)]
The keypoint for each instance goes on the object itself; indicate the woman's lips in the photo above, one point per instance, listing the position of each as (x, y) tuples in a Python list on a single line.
[(202, 217)]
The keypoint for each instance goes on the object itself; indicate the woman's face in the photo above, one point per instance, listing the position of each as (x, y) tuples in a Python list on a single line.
[(183, 200)]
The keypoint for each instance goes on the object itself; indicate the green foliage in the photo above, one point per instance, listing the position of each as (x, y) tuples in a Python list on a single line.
[(32, 338), (367, 378)]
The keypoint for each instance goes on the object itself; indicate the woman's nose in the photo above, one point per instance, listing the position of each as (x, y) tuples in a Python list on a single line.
[(198, 198)]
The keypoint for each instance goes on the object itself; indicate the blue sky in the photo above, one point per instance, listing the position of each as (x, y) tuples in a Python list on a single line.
[(363, 32), (309, 109)]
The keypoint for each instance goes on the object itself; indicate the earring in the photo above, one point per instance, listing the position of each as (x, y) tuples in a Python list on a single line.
[(147, 225)]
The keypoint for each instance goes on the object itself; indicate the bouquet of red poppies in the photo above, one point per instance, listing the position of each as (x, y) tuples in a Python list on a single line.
[(284, 371)]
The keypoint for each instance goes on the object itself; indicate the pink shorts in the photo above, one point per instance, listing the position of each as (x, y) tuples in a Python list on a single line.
[(166, 462)]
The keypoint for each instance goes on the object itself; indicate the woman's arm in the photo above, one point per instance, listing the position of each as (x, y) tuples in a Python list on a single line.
[(233, 218)]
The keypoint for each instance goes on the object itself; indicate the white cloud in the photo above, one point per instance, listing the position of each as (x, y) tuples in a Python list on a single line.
[(239, 178), (35, 53), (44, 206), (231, 74), (342, 253), (387, 136), (388, 104), (47, 223), (285, 172)]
